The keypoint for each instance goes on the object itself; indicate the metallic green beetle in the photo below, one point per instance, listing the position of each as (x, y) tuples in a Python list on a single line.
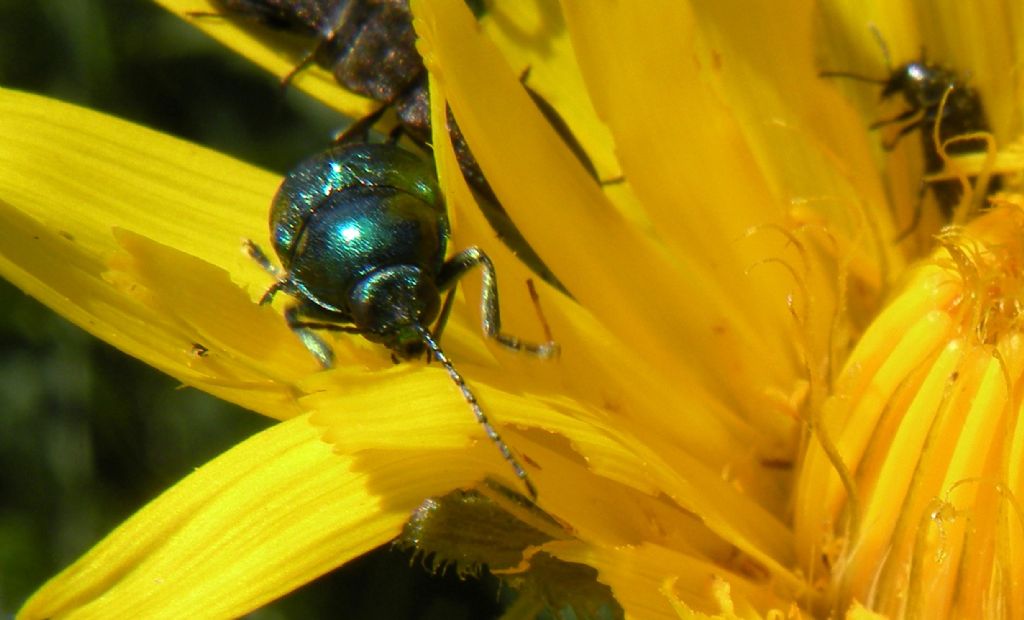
[(361, 232)]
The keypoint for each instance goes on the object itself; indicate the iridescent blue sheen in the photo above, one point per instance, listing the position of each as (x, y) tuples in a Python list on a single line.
[(361, 232), (310, 184), (370, 47)]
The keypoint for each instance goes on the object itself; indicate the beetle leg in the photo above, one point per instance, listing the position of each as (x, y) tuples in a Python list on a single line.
[(316, 345), (323, 41), (359, 131), (442, 319), (903, 116), (396, 134), (914, 126), (307, 59), (456, 268), (256, 253), (268, 295), (331, 327)]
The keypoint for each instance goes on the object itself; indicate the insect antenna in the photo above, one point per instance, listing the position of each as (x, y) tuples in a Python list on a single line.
[(481, 417), (883, 46), (853, 76)]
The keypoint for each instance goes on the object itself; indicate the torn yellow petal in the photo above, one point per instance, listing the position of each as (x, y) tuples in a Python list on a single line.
[(274, 512), (425, 411), (761, 536), (194, 301), (278, 52), (136, 237), (651, 581), (429, 415), (674, 412)]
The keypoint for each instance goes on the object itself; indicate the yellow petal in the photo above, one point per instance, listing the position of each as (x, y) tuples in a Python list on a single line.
[(651, 581), (263, 518), (925, 427), (277, 52), (538, 169), (136, 237)]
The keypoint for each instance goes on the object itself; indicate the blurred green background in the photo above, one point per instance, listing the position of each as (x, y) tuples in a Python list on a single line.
[(87, 434)]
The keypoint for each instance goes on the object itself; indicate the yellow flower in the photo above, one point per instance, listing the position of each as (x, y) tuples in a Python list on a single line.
[(764, 406)]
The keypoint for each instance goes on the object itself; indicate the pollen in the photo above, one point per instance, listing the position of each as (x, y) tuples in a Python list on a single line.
[(908, 494)]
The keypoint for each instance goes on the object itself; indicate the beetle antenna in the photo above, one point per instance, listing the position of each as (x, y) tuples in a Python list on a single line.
[(481, 417), (852, 76), (882, 45)]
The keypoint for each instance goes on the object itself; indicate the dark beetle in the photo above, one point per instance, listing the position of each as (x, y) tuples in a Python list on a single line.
[(361, 233), (370, 47), (923, 86)]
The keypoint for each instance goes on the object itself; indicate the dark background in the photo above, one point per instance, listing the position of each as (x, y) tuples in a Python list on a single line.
[(87, 434)]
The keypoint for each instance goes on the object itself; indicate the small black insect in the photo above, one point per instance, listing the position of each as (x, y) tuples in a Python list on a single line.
[(370, 47), (923, 85), (361, 232)]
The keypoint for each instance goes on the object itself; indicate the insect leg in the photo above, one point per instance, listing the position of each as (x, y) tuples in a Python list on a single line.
[(899, 118), (456, 268), (307, 59), (442, 318), (316, 345), (256, 253), (359, 131)]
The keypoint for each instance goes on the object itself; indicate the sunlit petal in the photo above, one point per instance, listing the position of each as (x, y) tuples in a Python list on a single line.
[(261, 519)]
